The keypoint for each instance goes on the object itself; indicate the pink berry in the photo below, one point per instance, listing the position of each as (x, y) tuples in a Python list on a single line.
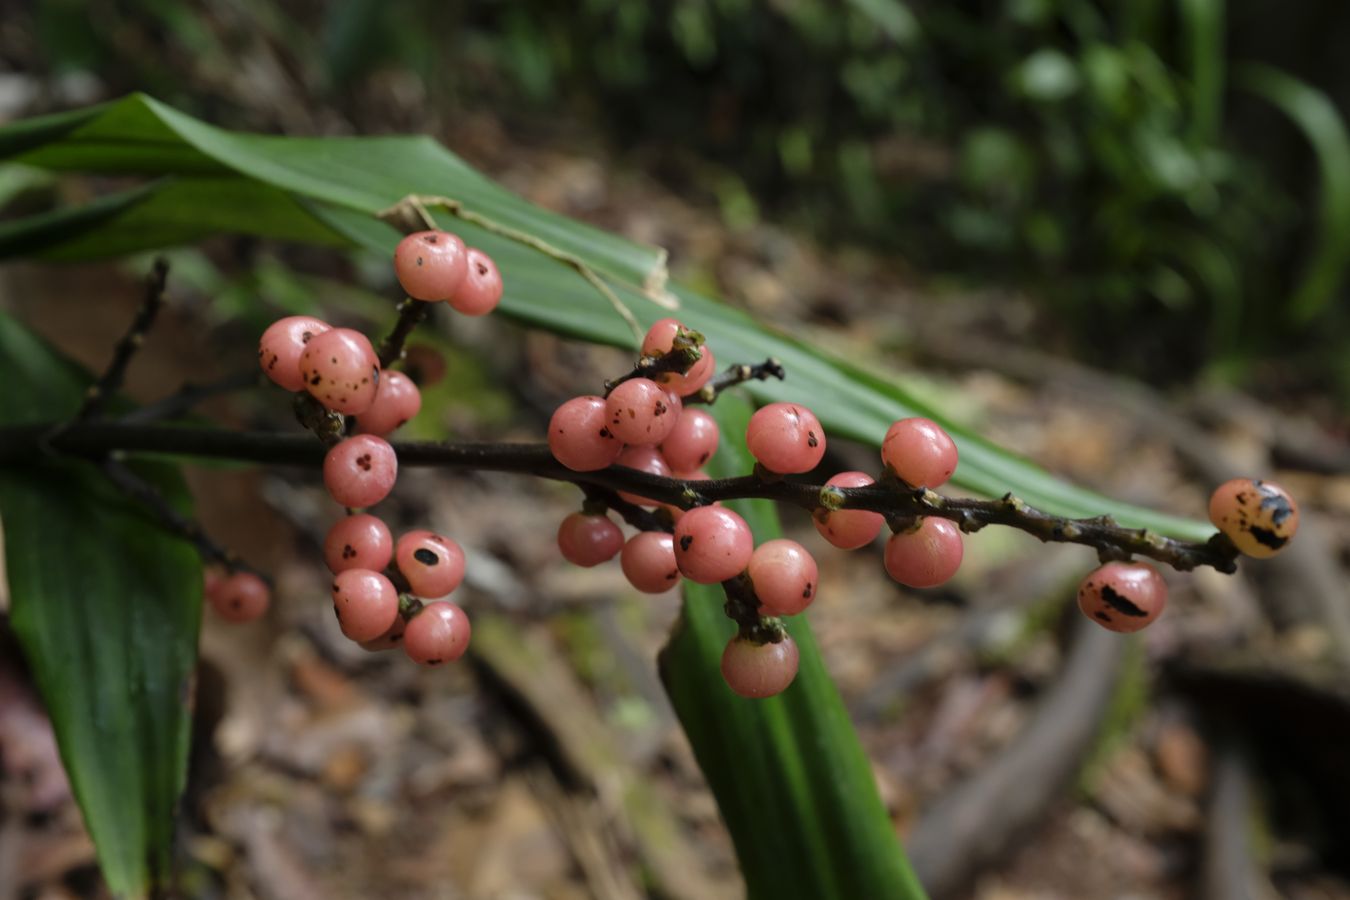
[(644, 459), (431, 265), (389, 640), (759, 670), (280, 347), (1123, 596), (659, 341), (341, 370), (786, 438), (1259, 517), (848, 528), (660, 338), (639, 412), (648, 562), (579, 436), (439, 633), (358, 542), (926, 556), (692, 441), (712, 544), (589, 540), (240, 597), (919, 452), (784, 576), (365, 602), (360, 471), (397, 400), (432, 563), (481, 290)]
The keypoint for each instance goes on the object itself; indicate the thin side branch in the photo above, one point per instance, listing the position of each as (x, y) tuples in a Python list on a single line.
[(107, 384), (411, 313), (734, 375)]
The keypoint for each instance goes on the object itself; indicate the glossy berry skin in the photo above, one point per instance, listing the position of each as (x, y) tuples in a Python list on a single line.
[(387, 641), (239, 597), (759, 670), (439, 633), (280, 347), (432, 563), (341, 371), (648, 562), (692, 441), (579, 436), (639, 412), (786, 438), (1259, 517), (659, 341), (1123, 597), (920, 452), (360, 471), (397, 400), (481, 290), (644, 459), (365, 602), (712, 544), (848, 529), (925, 557), (589, 540), (784, 576), (431, 265), (358, 542)]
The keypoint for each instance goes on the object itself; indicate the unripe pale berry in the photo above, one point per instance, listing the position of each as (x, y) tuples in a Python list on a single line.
[(927, 556), (639, 412), (1259, 517), (432, 563), (439, 633), (397, 400), (481, 290), (358, 542), (786, 438), (648, 562), (389, 640), (365, 602), (579, 436), (784, 577), (341, 371), (692, 441), (759, 670), (239, 597), (360, 471), (712, 544), (659, 341), (280, 347), (644, 459), (920, 452), (848, 528), (589, 540), (430, 265), (1123, 596)]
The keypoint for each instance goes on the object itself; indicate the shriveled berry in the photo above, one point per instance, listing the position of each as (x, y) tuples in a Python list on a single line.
[(786, 438), (712, 544), (759, 670), (365, 602), (639, 412), (439, 633), (784, 576), (431, 265), (1123, 596), (432, 563), (848, 528), (579, 435), (644, 459), (358, 542), (481, 290), (389, 640), (397, 400), (692, 441), (280, 347), (1259, 517), (659, 341), (239, 597), (926, 556), (341, 371), (920, 452), (360, 471), (589, 540), (648, 562)]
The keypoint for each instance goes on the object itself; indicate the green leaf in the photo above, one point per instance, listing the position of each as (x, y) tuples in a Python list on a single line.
[(106, 608), (790, 777)]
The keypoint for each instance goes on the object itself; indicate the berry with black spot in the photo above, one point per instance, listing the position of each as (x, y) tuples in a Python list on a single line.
[(1123, 596), (432, 563), (1259, 517)]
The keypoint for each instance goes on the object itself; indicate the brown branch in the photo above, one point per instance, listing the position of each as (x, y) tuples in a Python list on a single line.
[(97, 394), (739, 374)]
